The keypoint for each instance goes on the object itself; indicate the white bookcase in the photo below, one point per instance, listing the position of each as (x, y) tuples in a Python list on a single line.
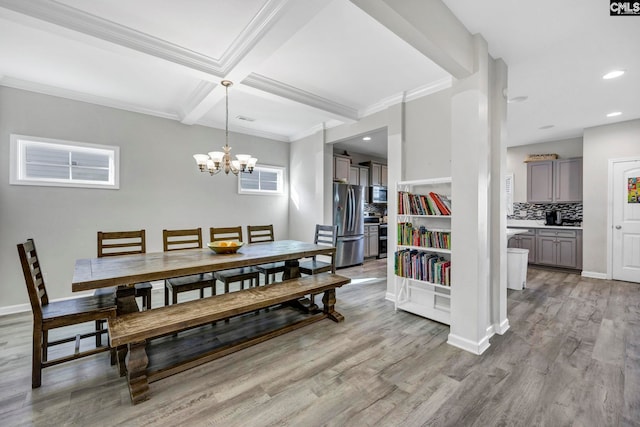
[(425, 298)]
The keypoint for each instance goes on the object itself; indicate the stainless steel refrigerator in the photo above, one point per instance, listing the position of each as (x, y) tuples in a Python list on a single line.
[(348, 215)]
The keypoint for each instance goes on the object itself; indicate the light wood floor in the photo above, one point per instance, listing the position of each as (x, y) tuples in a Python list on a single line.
[(571, 357)]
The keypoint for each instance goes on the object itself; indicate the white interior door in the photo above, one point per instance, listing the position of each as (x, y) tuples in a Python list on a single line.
[(626, 221)]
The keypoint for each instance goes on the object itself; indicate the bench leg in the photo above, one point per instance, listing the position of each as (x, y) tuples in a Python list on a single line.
[(329, 301), (137, 361)]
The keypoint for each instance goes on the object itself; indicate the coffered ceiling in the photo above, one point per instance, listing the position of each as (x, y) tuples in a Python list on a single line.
[(301, 65)]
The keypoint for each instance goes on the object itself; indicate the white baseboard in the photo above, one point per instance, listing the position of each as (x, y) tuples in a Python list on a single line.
[(13, 309), (502, 327), (594, 275), (21, 308), (390, 297), (468, 345)]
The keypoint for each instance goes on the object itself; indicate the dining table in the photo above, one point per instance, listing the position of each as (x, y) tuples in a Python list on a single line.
[(123, 272)]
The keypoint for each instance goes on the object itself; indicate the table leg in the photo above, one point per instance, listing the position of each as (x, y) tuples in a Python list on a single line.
[(125, 303), (329, 301), (137, 362), (291, 269)]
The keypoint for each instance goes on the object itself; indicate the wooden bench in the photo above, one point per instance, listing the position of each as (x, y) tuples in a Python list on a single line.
[(135, 329)]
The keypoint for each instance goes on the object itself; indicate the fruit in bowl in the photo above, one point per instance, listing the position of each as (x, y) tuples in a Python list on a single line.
[(225, 246)]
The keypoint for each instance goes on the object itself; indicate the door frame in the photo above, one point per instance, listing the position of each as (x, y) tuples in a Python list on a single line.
[(610, 211)]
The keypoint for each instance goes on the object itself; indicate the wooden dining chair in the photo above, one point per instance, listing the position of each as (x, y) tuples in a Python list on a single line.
[(116, 243), (185, 239), (264, 233), (50, 315), (217, 234), (325, 235)]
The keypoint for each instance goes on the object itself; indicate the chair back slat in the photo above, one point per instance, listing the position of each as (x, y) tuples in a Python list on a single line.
[(174, 240), (114, 243), (217, 234), (260, 233), (33, 278), (326, 235)]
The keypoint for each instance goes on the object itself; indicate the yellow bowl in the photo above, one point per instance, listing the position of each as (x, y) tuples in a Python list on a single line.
[(225, 246)]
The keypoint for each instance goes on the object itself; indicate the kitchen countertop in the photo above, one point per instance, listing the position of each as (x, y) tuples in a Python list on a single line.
[(536, 223)]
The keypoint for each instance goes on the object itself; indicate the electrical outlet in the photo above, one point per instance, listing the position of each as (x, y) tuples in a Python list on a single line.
[(522, 213)]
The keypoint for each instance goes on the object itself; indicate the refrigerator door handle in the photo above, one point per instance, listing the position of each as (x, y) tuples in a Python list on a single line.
[(350, 238)]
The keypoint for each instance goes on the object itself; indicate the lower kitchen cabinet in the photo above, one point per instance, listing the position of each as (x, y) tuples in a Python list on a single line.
[(525, 241), (552, 247), (371, 240), (559, 248)]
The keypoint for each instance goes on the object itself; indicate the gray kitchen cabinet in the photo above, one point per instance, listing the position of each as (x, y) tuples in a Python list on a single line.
[(567, 180), (354, 175), (363, 171), (540, 182), (341, 168), (559, 248), (525, 241), (378, 173), (359, 175), (554, 181), (371, 240)]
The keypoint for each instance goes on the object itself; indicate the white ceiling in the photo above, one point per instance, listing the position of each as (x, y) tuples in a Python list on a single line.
[(301, 65)]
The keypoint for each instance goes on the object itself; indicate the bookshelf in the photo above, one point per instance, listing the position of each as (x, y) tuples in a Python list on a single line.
[(422, 256)]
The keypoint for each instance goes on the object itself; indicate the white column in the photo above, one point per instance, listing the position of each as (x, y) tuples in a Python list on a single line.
[(470, 223), (499, 320)]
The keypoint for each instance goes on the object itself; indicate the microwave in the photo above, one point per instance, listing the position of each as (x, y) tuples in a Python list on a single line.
[(378, 194)]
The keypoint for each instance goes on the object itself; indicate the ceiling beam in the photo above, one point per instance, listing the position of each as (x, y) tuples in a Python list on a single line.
[(430, 27)]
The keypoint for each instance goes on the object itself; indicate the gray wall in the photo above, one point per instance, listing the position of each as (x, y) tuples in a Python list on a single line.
[(307, 189), (427, 135), (616, 141), (565, 149), (160, 186)]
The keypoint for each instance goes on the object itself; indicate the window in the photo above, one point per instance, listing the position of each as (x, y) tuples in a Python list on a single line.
[(51, 162), (263, 180)]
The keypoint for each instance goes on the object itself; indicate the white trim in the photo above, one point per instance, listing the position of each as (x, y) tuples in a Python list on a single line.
[(16, 83), (594, 275), (389, 296), (14, 309), (468, 345), (286, 91), (502, 327)]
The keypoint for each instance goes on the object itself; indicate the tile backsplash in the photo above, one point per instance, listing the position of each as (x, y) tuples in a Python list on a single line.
[(538, 210)]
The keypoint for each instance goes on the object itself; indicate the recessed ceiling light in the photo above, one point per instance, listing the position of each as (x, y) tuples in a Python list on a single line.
[(517, 99), (614, 114), (546, 127), (613, 74), (366, 138)]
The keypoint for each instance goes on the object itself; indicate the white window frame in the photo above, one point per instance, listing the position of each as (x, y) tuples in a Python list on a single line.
[(18, 164), (281, 174)]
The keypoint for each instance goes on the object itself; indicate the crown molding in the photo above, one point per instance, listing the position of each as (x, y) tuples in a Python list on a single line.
[(75, 19), (428, 89), (407, 96), (82, 97), (283, 90)]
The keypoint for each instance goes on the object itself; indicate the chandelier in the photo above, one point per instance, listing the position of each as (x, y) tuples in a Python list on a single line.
[(217, 161)]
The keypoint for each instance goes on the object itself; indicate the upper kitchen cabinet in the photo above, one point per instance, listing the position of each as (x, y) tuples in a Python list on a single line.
[(554, 181), (378, 173), (359, 175), (341, 168)]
